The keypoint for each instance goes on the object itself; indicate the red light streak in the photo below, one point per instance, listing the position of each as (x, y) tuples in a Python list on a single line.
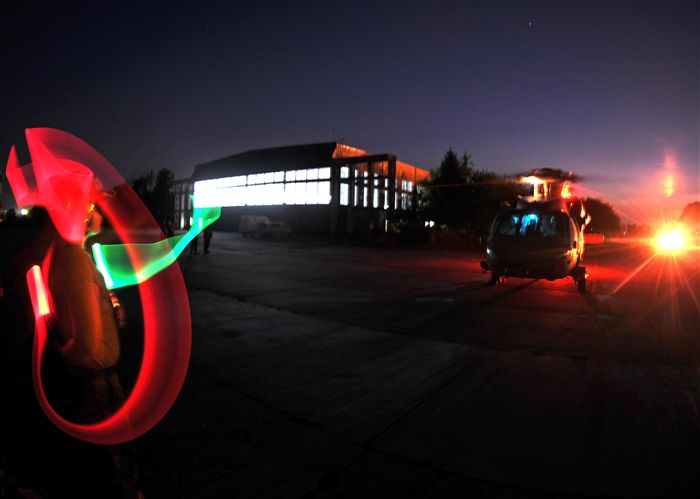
[(632, 275), (592, 238), (64, 186), (22, 180), (63, 157)]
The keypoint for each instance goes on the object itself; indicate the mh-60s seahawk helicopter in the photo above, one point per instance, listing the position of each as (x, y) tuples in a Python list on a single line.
[(542, 237)]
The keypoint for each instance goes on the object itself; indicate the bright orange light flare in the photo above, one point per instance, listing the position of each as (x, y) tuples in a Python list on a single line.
[(671, 240), (669, 188), (531, 179), (669, 179), (566, 190)]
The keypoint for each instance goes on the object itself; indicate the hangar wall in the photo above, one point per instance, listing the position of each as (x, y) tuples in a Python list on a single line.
[(314, 188)]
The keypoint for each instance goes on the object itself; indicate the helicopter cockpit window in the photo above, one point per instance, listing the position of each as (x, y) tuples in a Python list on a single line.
[(508, 225), (552, 225), (529, 224), (539, 225)]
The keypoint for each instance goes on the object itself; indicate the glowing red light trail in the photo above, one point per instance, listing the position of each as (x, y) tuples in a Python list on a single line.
[(61, 179)]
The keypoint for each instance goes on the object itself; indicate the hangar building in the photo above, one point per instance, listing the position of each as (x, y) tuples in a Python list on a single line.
[(314, 188)]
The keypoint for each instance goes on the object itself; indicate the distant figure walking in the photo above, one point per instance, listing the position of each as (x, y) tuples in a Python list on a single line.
[(193, 245), (208, 233)]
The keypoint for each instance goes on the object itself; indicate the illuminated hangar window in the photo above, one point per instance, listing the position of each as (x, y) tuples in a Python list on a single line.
[(296, 187)]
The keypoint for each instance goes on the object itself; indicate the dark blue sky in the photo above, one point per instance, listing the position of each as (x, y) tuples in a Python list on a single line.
[(606, 89)]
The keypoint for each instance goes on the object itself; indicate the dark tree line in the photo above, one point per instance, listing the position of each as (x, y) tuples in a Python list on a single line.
[(463, 197), (156, 191), (603, 217)]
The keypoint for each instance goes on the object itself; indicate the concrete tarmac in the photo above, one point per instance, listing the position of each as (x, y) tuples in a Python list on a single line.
[(326, 370)]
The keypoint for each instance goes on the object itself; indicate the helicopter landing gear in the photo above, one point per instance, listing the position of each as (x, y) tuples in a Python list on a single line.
[(496, 279), (579, 275)]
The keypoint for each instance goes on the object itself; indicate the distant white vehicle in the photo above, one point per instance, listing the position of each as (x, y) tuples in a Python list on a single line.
[(261, 226), (249, 224), (274, 230)]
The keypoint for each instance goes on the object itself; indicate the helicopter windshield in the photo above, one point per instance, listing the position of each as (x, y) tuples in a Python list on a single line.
[(544, 225)]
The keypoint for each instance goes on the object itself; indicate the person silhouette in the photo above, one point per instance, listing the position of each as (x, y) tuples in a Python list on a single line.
[(207, 235)]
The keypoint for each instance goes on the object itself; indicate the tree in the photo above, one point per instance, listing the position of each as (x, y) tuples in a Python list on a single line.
[(489, 194), (691, 215), (603, 217), (447, 196), (143, 186), (163, 197), (462, 196), (156, 191)]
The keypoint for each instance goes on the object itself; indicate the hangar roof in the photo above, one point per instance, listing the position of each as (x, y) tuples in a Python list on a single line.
[(291, 158), (266, 160)]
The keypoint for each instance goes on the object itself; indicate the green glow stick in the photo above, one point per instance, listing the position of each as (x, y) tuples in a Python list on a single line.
[(128, 264)]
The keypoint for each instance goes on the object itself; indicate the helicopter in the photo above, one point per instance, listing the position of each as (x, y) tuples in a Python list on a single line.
[(542, 236)]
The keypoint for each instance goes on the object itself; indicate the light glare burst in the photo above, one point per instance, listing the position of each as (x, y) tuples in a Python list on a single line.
[(671, 240)]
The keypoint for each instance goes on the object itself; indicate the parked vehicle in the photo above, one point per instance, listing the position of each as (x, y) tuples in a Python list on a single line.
[(249, 224), (261, 226), (274, 230)]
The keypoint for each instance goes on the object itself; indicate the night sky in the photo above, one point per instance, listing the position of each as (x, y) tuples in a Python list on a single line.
[(609, 90)]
